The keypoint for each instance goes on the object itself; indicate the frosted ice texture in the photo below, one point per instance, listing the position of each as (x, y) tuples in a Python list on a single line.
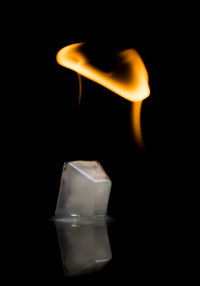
[(84, 190)]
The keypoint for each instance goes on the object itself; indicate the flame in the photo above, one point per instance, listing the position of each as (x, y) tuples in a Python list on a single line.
[(80, 89), (136, 122), (132, 86)]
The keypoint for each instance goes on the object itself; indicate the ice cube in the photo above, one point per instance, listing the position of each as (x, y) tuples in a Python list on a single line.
[(84, 248), (84, 190)]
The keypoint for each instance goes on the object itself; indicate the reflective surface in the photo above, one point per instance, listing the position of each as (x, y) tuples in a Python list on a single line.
[(127, 248), (84, 248)]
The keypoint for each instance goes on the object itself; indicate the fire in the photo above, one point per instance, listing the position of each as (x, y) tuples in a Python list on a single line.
[(132, 86)]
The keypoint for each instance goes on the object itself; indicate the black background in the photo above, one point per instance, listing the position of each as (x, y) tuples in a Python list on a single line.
[(49, 129), (42, 127)]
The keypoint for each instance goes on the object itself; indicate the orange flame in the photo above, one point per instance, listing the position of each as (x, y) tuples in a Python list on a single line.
[(132, 86)]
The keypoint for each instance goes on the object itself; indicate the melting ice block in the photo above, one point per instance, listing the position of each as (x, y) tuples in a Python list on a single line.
[(84, 190)]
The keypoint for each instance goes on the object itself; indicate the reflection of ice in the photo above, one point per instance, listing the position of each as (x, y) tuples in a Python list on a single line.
[(84, 248)]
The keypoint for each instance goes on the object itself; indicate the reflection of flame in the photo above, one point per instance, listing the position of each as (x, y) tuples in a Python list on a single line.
[(133, 85)]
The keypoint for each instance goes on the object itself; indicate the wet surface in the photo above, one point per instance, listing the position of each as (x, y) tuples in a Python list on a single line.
[(84, 248), (122, 250)]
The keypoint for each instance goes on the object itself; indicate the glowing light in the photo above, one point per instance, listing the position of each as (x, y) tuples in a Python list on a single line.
[(80, 89), (132, 86), (136, 122)]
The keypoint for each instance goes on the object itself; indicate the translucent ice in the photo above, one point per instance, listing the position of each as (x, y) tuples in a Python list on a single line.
[(84, 190)]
